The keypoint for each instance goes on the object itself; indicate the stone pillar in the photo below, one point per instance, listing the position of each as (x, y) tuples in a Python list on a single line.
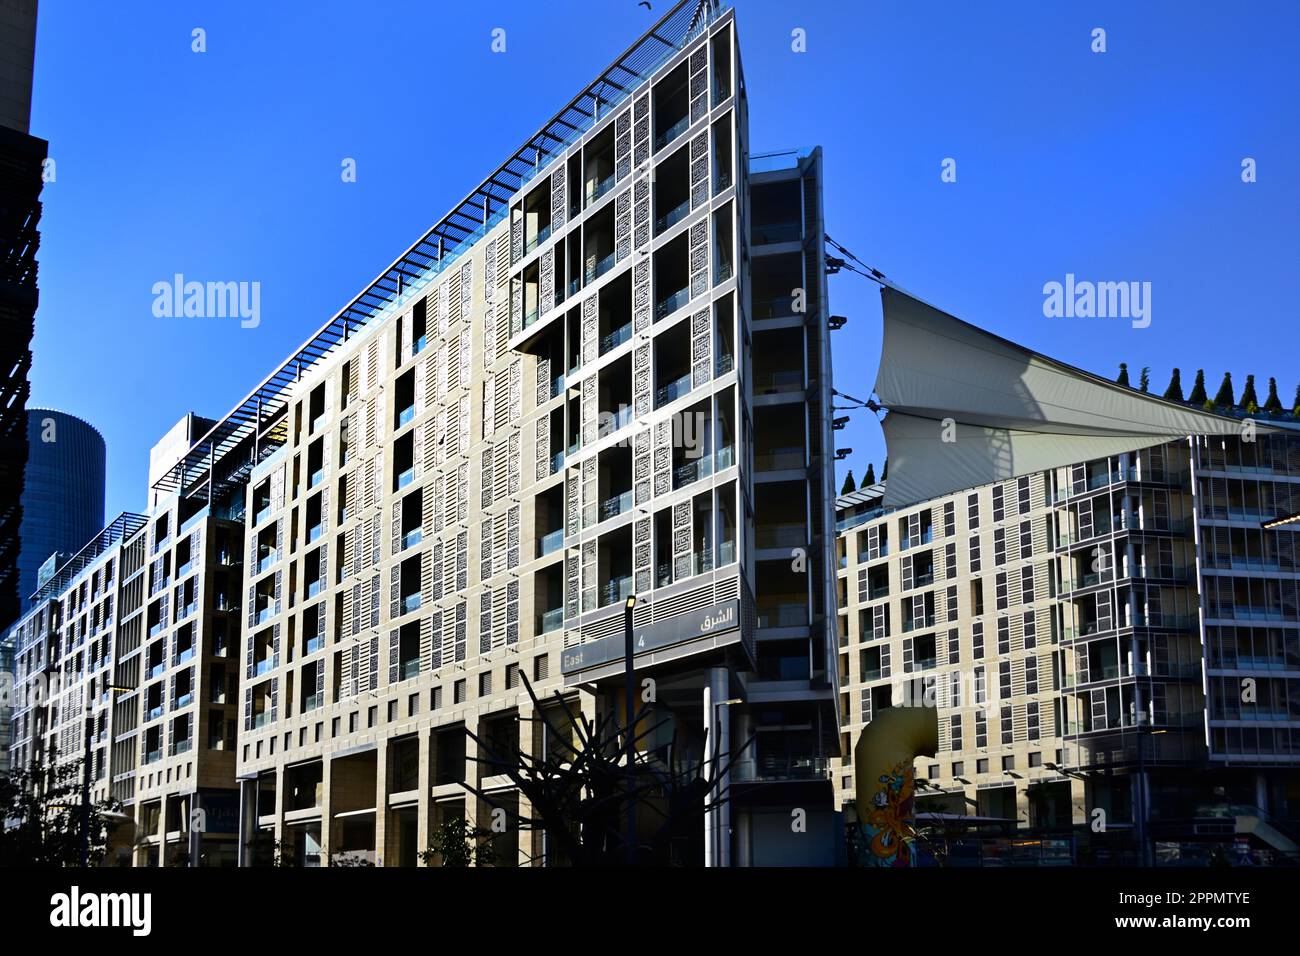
[(424, 805), (247, 820), (326, 809), (717, 747), (162, 831), (529, 747), (381, 802)]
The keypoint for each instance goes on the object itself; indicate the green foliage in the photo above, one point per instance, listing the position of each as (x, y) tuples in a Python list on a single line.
[(457, 844), (1144, 380), (1224, 396), (1248, 397), (1123, 375), (1174, 392), (43, 820), (1272, 404), (1198, 395), (849, 484), (870, 478)]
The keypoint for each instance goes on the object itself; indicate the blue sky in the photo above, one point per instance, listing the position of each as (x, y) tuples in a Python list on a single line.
[(224, 165)]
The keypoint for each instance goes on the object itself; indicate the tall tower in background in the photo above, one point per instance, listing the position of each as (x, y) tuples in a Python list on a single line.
[(63, 495), (22, 158)]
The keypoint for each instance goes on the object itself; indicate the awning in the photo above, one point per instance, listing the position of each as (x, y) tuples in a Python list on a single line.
[(967, 408)]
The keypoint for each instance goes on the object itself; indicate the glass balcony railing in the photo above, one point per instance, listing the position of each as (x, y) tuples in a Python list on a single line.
[(774, 381), (316, 477), (313, 588), (782, 614), (615, 590), (156, 670), (413, 537), (672, 132), (184, 700), (776, 307), (788, 534), (550, 542), (153, 712), (551, 620), (419, 345), (267, 560), (779, 459), (314, 644), (673, 390), (313, 532), (405, 415), (616, 338), (530, 316), (312, 701), (725, 363), (265, 614), (557, 462), (405, 478), (615, 505), (597, 189), (153, 756), (184, 655), (264, 665), (262, 515), (599, 267), (542, 235), (769, 233), (409, 668), (672, 217), (411, 602), (722, 272), (672, 303)]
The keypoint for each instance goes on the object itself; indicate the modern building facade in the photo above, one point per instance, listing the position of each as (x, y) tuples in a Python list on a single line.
[(603, 375), (22, 158), (63, 492), (1112, 648), (564, 414)]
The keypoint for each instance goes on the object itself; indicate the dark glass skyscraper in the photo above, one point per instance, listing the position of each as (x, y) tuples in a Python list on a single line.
[(63, 495), (22, 158)]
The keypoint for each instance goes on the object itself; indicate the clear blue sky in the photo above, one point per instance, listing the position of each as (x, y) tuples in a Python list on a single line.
[(225, 166)]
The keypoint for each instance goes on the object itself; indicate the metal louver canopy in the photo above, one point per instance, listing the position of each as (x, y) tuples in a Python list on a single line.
[(967, 408)]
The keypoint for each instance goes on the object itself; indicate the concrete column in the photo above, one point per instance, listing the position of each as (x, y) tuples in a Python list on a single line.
[(326, 809), (1261, 792), (717, 748), (280, 784), (529, 746), (473, 772), (381, 802), (247, 821), (162, 831), (424, 805)]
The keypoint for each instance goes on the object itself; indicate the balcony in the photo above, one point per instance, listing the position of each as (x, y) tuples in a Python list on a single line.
[(405, 415), (770, 233), (782, 614), (313, 532), (918, 623), (405, 478), (153, 713), (184, 700), (265, 562), (542, 235), (551, 542), (413, 537), (615, 505), (155, 671), (785, 535), (314, 644), (264, 665), (313, 588), (409, 669), (789, 458), (673, 390), (551, 620), (616, 590), (411, 602), (672, 303), (616, 338), (672, 217), (312, 701), (672, 132), (316, 477), (595, 190), (600, 267)]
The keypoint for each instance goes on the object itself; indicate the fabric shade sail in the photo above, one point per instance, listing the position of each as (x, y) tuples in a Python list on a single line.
[(967, 408)]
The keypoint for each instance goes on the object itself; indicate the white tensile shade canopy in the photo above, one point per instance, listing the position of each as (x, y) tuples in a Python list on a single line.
[(967, 408)]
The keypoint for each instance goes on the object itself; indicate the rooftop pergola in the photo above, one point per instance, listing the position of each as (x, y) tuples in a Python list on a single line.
[(255, 427)]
